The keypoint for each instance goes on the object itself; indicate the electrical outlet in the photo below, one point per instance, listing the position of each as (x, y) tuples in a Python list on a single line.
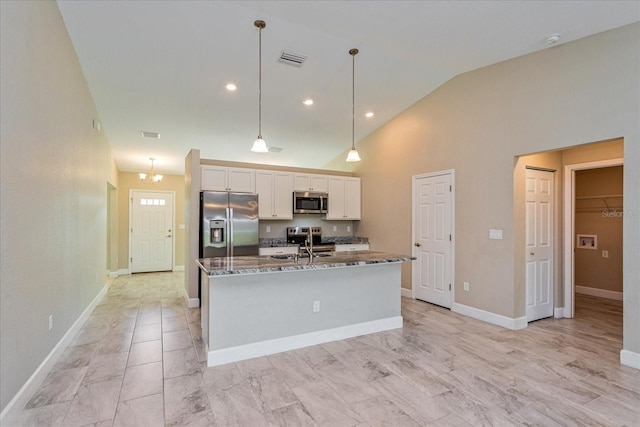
[(605, 254), (50, 321), (268, 229), (348, 229), (316, 306), (335, 228), (465, 286)]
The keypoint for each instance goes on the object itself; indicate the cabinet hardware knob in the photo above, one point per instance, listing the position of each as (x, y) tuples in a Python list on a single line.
[(418, 244)]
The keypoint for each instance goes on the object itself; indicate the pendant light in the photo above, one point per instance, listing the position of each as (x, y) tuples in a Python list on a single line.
[(259, 145), (353, 155)]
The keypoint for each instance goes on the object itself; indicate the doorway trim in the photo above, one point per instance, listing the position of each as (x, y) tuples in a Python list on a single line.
[(173, 225), (569, 227), (414, 178)]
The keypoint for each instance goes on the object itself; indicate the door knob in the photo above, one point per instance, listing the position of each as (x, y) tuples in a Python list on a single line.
[(417, 244), (532, 254)]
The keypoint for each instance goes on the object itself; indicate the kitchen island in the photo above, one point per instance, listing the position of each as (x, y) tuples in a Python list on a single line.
[(258, 305)]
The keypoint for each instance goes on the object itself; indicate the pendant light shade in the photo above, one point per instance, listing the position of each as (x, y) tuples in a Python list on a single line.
[(353, 155), (259, 145)]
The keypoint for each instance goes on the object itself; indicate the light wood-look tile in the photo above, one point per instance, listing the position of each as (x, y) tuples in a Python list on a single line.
[(140, 360)]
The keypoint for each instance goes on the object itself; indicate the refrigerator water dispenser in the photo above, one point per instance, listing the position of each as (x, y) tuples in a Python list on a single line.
[(216, 231)]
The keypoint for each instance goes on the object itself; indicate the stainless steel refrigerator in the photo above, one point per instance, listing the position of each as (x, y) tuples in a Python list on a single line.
[(229, 224)]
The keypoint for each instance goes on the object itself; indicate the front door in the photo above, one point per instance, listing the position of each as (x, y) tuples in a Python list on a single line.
[(433, 224), (539, 244), (151, 229)]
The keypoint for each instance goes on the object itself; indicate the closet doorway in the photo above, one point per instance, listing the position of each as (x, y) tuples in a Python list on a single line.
[(593, 231)]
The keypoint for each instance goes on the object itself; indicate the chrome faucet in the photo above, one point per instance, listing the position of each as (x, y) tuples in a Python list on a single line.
[(308, 243)]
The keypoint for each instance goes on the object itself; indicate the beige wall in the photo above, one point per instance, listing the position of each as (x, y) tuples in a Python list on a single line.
[(591, 269), (477, 124), (131, 181), (54, 173)]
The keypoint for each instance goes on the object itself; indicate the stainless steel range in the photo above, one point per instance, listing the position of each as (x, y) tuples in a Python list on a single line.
[(298, 235)]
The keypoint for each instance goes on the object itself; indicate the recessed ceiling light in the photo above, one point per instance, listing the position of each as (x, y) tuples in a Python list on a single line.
[(369, 114), (308, 101), (553, 38), (230, 87)]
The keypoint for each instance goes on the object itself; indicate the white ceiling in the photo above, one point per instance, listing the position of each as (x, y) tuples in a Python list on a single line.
[(161, 66)]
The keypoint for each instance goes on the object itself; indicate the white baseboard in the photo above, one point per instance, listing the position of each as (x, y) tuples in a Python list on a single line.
[(406, 293), (629, 358), (124, 272), (190, 302), (278, 345), (601, 293), (178, 268), (558, 312), (13, 409), (113, 274), (486, 316)]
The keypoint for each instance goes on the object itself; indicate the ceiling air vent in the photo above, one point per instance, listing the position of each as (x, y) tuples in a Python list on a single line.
[(154, 135), (291, 58)]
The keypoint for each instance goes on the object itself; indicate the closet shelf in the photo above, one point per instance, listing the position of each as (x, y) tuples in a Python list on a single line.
[(604, 196)]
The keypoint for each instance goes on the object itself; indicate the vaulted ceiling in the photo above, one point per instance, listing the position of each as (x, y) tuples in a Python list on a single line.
[(162, 66)]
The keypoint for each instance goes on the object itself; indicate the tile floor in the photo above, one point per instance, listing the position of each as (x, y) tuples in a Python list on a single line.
[(140, 361)]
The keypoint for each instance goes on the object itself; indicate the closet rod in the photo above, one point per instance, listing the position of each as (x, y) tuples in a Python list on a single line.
[(604, 196)]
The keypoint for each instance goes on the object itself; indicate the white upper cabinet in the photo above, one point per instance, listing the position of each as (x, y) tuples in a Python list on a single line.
[(344, 198), (310, 182), (218, 178), (275, 194)]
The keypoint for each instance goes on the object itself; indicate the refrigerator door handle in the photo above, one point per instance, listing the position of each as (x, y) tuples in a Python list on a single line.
[(230, 232)]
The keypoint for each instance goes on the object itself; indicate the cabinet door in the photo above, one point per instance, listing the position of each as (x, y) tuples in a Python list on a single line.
[(214, 178), (309, 182), (282, 195), (264, 189), (319, 183), (242, 180), (336, 198), (352, 198)]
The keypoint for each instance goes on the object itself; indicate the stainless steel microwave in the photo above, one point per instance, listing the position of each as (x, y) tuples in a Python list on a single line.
[(305, 202)]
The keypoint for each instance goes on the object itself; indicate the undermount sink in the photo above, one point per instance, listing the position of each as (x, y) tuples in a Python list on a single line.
[(303, 255), (285, 256)]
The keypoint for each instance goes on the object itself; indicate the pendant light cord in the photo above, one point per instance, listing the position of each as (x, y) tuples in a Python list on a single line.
[(260, 83), (353, 53)]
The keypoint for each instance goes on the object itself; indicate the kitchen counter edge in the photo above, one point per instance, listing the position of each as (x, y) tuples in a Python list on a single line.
[(238, 265)]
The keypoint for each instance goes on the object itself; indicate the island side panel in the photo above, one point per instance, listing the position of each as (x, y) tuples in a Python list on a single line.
[(246, 309), (204, 307)]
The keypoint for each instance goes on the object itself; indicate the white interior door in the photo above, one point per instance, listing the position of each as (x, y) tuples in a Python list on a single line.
[(151, 228), (433, 242), (539, 244)]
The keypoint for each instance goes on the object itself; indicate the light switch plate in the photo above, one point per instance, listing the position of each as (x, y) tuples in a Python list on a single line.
[(605, 254), (495, 234)]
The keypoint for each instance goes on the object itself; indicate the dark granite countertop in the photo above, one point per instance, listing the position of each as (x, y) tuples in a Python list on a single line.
[(275, 242), (267, 264)]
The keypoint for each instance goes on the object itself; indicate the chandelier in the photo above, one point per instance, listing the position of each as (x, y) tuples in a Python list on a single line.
[(150, 177)]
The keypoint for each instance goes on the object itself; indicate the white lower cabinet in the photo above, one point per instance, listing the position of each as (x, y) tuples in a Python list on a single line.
[(275, 194), (280, 250), (352, 247)]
